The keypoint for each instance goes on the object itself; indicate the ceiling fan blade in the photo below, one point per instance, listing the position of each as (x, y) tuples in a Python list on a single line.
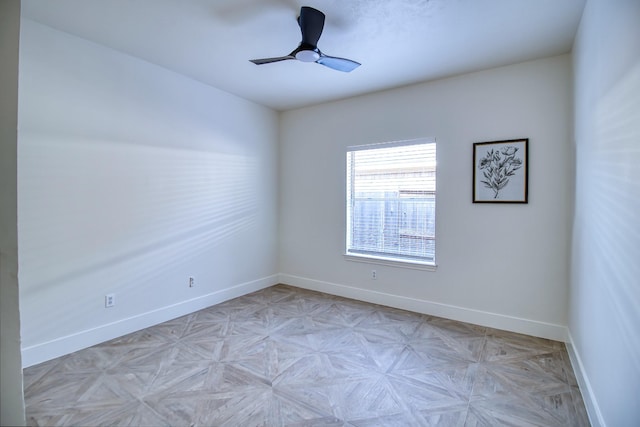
[(270, 60), (311, 23), (340, 64)]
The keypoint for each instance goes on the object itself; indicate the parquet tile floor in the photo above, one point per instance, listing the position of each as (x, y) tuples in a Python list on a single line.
[(284, 356)]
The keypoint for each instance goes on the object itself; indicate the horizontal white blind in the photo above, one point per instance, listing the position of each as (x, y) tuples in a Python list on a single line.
[(391, 199)]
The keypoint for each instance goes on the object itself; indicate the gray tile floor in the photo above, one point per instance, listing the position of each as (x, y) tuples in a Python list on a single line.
[(286, 356)]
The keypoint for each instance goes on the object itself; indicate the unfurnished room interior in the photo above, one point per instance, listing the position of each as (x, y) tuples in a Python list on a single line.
[(340, 213)]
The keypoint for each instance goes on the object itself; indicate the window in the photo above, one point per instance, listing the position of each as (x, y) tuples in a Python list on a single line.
[(391, 202)]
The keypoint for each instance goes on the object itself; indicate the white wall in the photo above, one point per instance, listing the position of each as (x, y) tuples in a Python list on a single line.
[(132, 178), (11, 395), (605, 275), (499, 265)]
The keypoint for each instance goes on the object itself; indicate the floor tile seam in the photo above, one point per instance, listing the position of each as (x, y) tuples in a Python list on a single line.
[(519, 352), (439, 360), (523, 390), (451, 354), (523, 421), (519, 358), (34, 388), (474, 380), (205, 393), (357, 421), (534, 408), (520, 396), (454, 400), (433, 370), (437, 371), (154, 412), (522, 347), (54, 365), (439, 387), (317, 382), (64, 406), (296, 400), (80, 388), (108, 378), (223, 410), (508, 367)]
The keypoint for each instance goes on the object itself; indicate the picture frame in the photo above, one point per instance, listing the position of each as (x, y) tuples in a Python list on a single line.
[(500, 171)]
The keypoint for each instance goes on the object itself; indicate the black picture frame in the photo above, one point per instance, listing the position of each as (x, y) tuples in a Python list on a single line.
[(500, 171)]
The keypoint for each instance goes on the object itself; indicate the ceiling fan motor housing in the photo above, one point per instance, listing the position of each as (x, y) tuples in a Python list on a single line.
[(307, 53)]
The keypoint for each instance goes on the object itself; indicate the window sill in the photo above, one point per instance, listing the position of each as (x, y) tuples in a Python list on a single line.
[(416, 265)]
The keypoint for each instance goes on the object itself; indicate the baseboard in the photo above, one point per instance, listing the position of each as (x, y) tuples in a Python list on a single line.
[(68, 344), (590, 403), (478, 317)]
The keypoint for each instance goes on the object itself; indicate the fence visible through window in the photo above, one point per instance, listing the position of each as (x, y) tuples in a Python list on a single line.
[(391, 202)]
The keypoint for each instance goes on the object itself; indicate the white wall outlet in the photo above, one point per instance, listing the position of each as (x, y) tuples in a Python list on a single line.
[(374, 274), (109, 300), (192, 282)]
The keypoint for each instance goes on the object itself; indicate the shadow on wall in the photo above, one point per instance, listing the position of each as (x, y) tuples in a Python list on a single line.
[(615, 201), (98, 212)]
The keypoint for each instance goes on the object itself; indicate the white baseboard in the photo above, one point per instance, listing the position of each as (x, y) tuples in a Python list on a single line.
[(590, 403), (478, 317), (68, 344)]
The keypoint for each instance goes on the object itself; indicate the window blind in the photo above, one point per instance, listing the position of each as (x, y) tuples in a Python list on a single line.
[(391, 200)]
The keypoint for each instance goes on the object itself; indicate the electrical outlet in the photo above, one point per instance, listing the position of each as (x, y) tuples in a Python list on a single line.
[(374, 274), (109, 300), (192, 282)]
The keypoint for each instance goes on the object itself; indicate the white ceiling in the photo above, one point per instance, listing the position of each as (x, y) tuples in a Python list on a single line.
[(398, 42)]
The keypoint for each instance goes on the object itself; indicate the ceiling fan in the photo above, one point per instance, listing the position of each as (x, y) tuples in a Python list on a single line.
[(311, 22)]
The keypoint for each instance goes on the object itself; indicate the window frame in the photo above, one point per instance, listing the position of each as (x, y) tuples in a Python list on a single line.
[(381, 259)]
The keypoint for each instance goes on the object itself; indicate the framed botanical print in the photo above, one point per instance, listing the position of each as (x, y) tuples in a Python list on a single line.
[(500, 171)]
